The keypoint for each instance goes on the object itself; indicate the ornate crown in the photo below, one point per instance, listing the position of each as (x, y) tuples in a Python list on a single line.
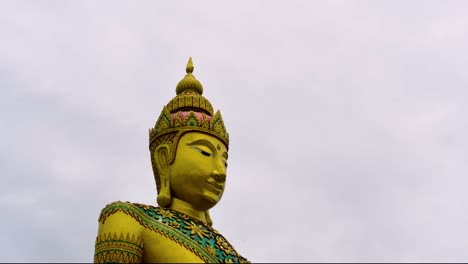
[(189, 111)]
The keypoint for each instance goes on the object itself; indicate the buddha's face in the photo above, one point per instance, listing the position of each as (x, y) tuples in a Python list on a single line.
[(198, 173)]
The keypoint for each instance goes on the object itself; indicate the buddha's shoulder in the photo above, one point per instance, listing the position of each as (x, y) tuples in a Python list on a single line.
[(133, 210)]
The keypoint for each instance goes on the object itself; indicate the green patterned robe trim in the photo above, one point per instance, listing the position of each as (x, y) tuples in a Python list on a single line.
[(194, 235)]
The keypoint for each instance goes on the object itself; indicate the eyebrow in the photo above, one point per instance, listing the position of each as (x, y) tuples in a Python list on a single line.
[(208, 144), (203, 142)]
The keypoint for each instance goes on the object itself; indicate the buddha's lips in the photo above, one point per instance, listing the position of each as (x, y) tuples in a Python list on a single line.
[(217, 188)]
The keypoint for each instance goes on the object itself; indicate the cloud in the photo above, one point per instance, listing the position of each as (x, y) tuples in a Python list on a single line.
[(346, 118)]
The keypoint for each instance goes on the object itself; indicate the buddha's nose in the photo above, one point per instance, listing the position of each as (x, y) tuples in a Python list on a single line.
[(219, 176)]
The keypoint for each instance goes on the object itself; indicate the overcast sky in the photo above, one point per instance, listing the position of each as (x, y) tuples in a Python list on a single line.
[(347, 119)]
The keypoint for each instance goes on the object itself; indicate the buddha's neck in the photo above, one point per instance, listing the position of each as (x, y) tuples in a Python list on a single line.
[(188, 209)]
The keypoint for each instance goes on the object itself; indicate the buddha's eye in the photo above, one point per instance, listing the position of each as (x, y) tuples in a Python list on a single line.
[(202, 151), (225, 164)]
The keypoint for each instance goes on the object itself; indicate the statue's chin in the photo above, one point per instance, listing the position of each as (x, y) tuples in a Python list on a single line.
[(210, 200)]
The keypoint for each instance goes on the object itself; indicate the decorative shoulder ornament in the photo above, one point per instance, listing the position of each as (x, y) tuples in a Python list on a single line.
[(189, 111), (194, 235)]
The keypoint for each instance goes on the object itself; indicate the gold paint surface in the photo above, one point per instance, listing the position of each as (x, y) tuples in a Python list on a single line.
[(189, 153)]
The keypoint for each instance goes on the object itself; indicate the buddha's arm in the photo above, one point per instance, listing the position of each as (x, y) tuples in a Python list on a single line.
[(119, 240)]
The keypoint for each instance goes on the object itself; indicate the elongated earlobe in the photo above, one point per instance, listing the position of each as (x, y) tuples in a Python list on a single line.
[(208, 218), (162, 158), (164, 197)]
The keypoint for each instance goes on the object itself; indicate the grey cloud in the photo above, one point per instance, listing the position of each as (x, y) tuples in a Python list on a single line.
[(347, 123)]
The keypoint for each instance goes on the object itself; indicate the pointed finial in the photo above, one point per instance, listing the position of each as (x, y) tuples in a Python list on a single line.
[(189, 83), (189, 68)]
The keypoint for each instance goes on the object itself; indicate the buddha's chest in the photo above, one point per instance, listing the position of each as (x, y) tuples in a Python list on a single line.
[(158, 248), (172, 237)]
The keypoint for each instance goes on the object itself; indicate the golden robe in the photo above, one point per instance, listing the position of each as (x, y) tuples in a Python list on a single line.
[(138, 233)]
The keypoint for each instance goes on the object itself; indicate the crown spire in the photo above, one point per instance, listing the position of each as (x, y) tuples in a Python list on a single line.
[(189, 83), (189, 68)]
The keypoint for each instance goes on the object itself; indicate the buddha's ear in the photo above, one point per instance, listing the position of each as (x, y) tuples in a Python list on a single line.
[(162, 158)]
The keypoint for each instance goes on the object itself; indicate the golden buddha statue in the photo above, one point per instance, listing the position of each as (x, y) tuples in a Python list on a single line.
[(189, 152)]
